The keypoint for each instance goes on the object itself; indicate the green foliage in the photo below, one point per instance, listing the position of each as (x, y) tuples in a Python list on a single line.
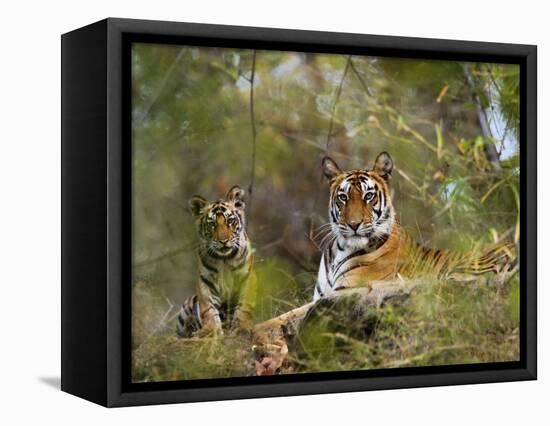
[(192, 135), (442, 324)]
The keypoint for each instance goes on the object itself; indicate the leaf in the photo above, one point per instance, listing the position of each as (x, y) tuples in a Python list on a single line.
[(442, 93), (492, 188)]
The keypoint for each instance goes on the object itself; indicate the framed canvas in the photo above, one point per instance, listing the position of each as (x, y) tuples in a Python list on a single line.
[(254, 212)]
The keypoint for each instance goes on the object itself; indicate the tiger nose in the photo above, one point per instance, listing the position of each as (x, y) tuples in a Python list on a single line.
[(354, 225), (224, 241)]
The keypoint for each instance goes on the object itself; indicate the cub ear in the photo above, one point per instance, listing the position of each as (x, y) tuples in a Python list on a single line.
[(330, 168), (236, 195), (383, 165), (196, 204)]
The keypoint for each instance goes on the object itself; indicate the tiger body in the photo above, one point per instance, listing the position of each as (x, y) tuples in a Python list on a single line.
[(226, 288), (367, 243)]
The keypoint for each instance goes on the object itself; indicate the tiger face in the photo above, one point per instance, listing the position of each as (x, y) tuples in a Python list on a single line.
[(220, 224), (360, 208)]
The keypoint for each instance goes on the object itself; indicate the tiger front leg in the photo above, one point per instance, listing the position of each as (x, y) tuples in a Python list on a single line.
[(243, 320), (242, 323), (211, 321), (211, 325)]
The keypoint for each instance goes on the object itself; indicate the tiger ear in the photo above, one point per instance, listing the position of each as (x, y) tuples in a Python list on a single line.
[(196, 204), (330, 168), (383, 165), (236, 195)]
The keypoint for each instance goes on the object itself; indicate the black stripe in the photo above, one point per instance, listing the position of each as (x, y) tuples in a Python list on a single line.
[(214, 300), (359, 265), (318, 288), (327, 270), (333, 216), (243, 262), (209, 283), (207, 265), (196, 310), (330, 254), (351, 256), (327, 277), (187, 310), (326, 265), (437, 255), (425, 252)]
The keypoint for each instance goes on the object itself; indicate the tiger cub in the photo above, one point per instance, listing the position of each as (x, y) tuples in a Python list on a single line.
[(226, 288), (367, 243)]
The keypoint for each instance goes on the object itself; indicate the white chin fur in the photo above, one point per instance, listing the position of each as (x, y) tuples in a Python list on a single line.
[(355, 242)]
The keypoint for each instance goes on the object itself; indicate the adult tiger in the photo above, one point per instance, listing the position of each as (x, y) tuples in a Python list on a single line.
[(226, 289), (367, 243)]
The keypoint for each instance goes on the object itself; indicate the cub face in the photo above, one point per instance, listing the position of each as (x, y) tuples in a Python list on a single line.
[(220, 224)]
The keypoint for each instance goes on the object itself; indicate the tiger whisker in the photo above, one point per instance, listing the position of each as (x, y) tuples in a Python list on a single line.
[(331, 242), (323, 228), (322, 235), (328, 240), (323, 242)]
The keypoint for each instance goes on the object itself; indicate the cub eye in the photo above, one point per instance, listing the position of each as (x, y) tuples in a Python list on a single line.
[(208, 227), (343, 197), (231, 221), (369, 196)]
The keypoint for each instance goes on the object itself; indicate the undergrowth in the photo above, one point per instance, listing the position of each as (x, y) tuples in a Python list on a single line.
[(439, 324)]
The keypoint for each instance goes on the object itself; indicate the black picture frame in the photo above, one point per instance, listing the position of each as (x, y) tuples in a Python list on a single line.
[(96, 220)]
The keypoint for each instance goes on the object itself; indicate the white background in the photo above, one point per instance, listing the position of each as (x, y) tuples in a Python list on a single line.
[(30, 211)]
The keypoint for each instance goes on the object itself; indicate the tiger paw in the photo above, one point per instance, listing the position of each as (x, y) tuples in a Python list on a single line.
[(241, 329), (242, 325), (209, 332)]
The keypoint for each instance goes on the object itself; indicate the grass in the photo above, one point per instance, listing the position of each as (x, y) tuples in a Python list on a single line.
[(439, 324)]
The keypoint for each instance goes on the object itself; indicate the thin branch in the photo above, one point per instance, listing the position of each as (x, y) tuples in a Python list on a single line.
[(360, 78), (329, 136), (253, 127), (336, 99), (243, 76)]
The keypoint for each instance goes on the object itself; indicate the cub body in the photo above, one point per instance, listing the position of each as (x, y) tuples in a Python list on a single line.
[(226, 288)]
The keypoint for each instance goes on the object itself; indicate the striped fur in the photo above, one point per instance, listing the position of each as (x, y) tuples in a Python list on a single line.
[(366, 243), (226, 289)]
